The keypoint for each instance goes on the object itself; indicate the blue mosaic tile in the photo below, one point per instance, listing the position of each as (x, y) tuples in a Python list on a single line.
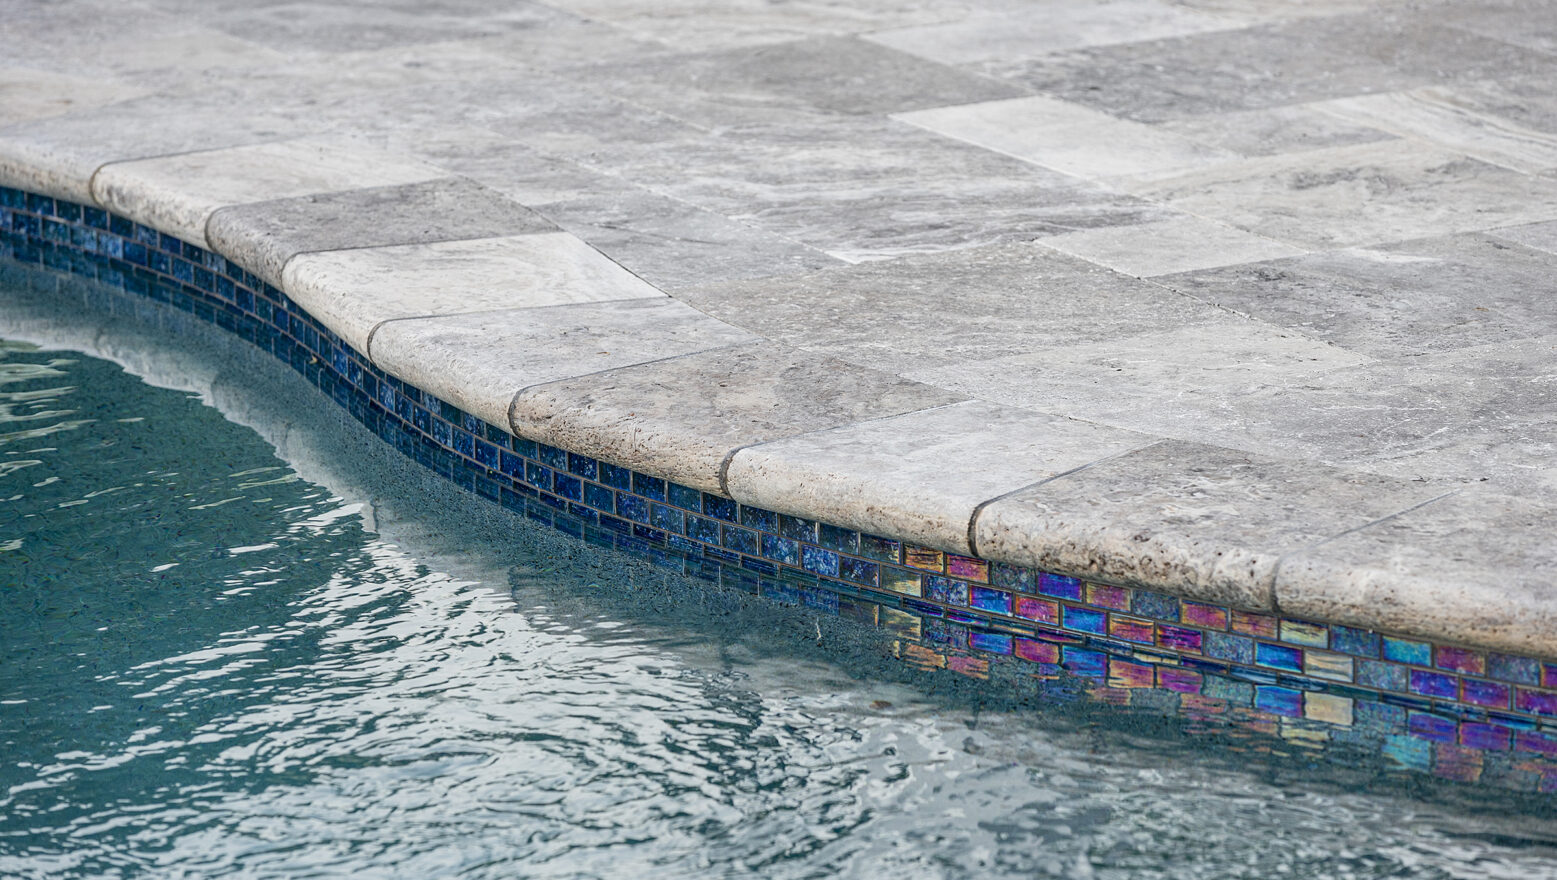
[(952, 592), (797, 529), (781, 549), (1278, 657), (1085, 620), (759, 519), (859, 571), (1060, 587), (1520, 670), (1226, 646), (1279, 700), (681, 496), (839, 539), (818, 560), (986, 599), (1404, 651), (716, 507)]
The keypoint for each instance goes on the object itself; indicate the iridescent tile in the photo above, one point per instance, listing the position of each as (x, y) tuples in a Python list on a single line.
[(835, 538), (1016, 578), (1328, 708), (1406, 651), (1208, 616), (1179, 638), (972, 667), (1327, 665), (1237, 693), (1379, 717), (857, 570), (1235, 649), (1278, 657), (1036, 651), (1033, 608), (1358, 642), (1520, 670), (1179, 680), (1130, 629), (967, 568), (781, 549), (1462, 660), (1488, 694), (946, 590), (1435, 728), (819, 561), (1104, 596), (1535, 702), (1125, 674), (908, 583), (1309, 635), (924, 558), (1409, 751), (1085, 663), (1156, 605), (986, 599), (1285, 702), (880, 549), (1381, 675), (1549, 675), (1252, 624), (1434, 684), (1059, 586), (900, 623), (1490, 737), (1085, 620), (759, 519), (1536, 743), (990, 643)]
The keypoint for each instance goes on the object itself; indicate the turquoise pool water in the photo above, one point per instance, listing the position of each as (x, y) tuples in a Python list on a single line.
[(213, 666)]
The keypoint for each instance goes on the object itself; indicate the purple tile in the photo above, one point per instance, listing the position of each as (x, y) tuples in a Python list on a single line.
[(1490, 694), (1433, 684), (1432, 727), (1537, 702)]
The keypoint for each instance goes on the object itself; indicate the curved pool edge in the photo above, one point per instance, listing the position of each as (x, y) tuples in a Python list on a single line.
[(955, 611)]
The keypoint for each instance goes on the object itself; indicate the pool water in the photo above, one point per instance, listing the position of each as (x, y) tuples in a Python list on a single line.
[(212, 666)]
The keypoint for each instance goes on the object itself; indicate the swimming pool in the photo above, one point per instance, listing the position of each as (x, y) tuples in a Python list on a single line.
[(224, 662)]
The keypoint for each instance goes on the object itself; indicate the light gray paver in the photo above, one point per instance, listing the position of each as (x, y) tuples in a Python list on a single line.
[(682, 418), (262, 236), (352, 291), (178, 194), (480, 361), (35, 94), (1011, 299), (1471, 562), (1213, 521), (919, 476), (1167, 246)]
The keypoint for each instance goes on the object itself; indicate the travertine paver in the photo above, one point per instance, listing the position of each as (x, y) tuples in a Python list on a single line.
[(262, 236), (1266, 271)]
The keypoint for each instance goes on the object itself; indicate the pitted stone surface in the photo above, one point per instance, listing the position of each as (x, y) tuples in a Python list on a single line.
[(681, 418), (1304, 247)]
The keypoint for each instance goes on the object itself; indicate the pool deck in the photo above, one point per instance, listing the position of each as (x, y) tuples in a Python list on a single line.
[(1251, 301)]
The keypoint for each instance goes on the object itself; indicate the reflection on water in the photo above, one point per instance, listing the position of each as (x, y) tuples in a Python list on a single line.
[(211, 667)]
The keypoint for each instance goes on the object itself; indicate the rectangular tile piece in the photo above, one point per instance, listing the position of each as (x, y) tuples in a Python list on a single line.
[(351, 291), (1473, 568), (178, 194), (1397, 300), (1197, 521), (681, 418), (1166, 246), (918, 476), (1450, 119), (27, 94), (1357, 195), (1067, 137), (480, 361), (1009, 300), (262, 236)]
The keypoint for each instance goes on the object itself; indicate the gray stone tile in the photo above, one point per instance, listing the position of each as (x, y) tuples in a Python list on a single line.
[(1359, 195), (673, 245), (862, 188), (1397, 300), (1010, 300), (58, 156), (1036, 29), (1185, 518), (919, 476), (262, 236), (1162, 381), (328, 27), (1448, 118), (178, 194), (791, 81), (1528, 23), (682, 418), (703, 24), (480, 361), (1067, 137), (1166, 246), (352, 291), (1471, 568), (1219, 72), (1267, 132), (27, 94)]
